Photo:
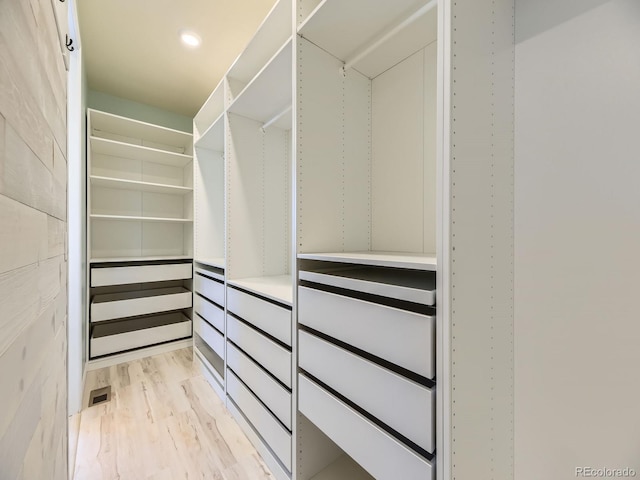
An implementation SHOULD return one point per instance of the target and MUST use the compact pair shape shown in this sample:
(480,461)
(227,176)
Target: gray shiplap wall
(33,269)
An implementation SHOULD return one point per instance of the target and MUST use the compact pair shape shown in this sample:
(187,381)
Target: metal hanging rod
(275,118)
(387,34)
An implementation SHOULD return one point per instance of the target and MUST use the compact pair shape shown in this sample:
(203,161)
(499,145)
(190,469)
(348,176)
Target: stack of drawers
(367,363)
(208,320)
(259,367)
(138,304)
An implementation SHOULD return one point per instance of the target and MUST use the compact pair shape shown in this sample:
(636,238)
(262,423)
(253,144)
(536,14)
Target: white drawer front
(210,335)
(139,338)
(401,337)
(139,306)
(211,289)
(210,312)
(270,392)
(271,356)
(275,435)
(266,316)
(404,405)
(101,277)
(379,453)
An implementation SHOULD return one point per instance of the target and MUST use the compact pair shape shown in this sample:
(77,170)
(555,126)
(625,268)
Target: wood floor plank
(163,422)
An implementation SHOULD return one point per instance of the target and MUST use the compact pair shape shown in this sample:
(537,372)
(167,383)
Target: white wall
(577,233)
(77,233)
(139,111)
(33,264)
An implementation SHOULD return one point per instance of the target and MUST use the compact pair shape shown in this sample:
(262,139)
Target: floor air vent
(99,395)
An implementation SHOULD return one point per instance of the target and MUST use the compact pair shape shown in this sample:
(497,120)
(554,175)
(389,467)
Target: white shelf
(343,467)
(212,108)
(138,219)
(138,152)
(344,28)
(278,288)
(213,137)
(218,262)
(271,34)
(414,286)
(139,259)
(116,337)
(414,261)
(120,184)
(127,127)
(269,93)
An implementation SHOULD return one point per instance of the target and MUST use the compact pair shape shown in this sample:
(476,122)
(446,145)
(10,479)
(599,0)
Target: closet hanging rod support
(387,34)
(277,117)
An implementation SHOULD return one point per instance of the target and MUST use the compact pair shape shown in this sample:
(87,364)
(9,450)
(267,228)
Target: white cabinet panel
(404,405)
(101,277)
(120,336)
(274,320)
(379,453)
(274,434)
(271,393)
(209,288)
(273,357)
(401,337)
(210,312)
(130,304)
(210,335)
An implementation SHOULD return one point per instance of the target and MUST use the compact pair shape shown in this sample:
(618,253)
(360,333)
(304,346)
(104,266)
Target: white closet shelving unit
(346,171)
(140,204)
(243,242)
(209,263)
(366,228)
(259,240)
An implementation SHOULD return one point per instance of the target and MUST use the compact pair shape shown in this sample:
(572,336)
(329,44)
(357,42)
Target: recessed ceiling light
(190,39)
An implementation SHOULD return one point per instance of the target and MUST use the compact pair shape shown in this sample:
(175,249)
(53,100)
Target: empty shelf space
(140,302)
(120,184)
(269,93)
(213,137)
(271,34)
(136,130)
(414,261)
(348,29)
(409,285)
(119,336)
(216,262)
(210,112)
(343,467)
(114,148)
(129,218)
(278,288)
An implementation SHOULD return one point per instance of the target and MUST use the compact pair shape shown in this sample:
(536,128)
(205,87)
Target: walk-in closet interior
(295,238)
(318,239)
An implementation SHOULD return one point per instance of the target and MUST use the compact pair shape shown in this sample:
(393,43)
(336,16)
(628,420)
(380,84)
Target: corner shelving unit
(259,252)
(366,237)
(209,340)
(140,204)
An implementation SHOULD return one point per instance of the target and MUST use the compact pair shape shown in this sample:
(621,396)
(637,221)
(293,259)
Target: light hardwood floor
(164,422)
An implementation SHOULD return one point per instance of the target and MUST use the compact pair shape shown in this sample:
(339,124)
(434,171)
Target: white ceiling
(132,48)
